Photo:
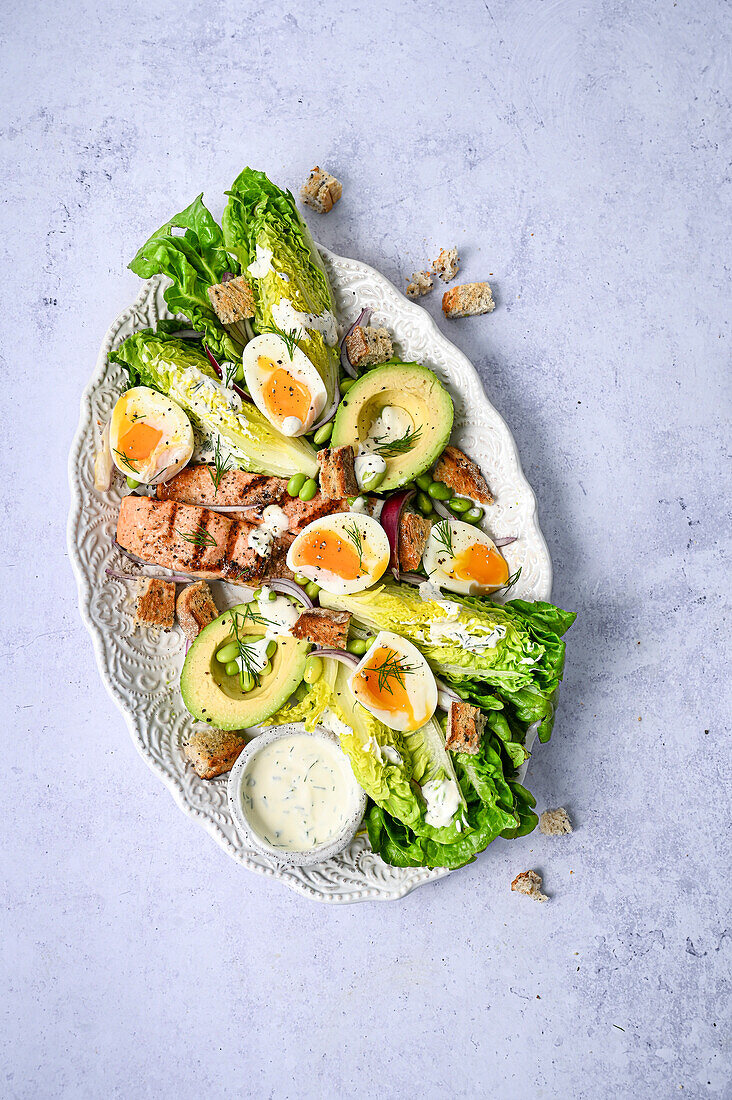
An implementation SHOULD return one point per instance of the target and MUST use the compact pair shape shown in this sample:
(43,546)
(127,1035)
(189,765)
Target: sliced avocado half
(213,697)
(419,393)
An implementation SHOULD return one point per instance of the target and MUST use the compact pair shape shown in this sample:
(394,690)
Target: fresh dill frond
(230,376)
(247,652)
(443,535)
(393,667)
(250,615)
(355,536)
(389,448)
(512,580)
(289,336)
(220,467)
(200,537)
(130,463)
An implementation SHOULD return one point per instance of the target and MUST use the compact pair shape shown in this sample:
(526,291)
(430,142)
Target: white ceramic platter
(141,669)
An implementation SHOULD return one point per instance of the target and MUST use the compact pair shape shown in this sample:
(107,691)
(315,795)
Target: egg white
(173,450)
(438,562)
(374,557)
(419,684)
(273,348)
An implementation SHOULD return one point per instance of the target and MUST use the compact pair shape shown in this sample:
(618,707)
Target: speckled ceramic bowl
(280,855)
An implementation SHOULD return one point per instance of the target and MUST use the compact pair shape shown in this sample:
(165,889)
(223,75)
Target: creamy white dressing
(334,724)
(256,656)
(298,792)
(429,592)
(391,754)
(286,317)
(291,425)
(360,505)
(260,541)
(391,423)
(280,613)
(443,799)
(274,523)
(262,264)
(470,636)
(366,465)
(382,752)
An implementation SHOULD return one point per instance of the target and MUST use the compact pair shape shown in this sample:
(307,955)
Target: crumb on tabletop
(447,264)
(420,283)
(555,822)
(321,191)
(529,883)
(468,300)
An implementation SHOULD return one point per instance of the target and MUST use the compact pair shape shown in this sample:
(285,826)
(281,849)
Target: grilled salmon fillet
(194,485)
(197,541)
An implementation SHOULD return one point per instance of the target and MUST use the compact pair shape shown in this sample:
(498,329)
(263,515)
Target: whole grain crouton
(155,603)
(420,283)
(447,264)
(322,627)
(414,531)
(462,475)
(321,190)
(529,883)
(337,472)
(195,609)
(233,300)
(465,725)
(213,751)
(368,346)
(555,822)
(468,300)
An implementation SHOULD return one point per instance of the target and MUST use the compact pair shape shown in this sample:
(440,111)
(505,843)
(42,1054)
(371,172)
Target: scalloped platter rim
(140,671)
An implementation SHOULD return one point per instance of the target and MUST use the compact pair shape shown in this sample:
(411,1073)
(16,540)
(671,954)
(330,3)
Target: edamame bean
(346,384)
(295,484)
(313,670)
(474,515)
(232,668)
(246,681)
(439,491)
(424,481)
(312,589)
(132,484)
(358,646)
(271,594)
(309,489)
(457,505)
(371,481)
(323,434)
(271,648)
(424,504)
(301,579)
(227,653)
(266,670)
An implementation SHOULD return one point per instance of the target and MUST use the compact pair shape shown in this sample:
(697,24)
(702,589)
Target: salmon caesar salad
(292,496)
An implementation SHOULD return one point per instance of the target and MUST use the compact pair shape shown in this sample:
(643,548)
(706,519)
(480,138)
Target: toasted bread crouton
(468,300)
(213,751)
(462,475)
(368,346)
(233,300)
(321,190)
(155,603)
(555,822)
(195,609)
(414,531)
(447,264)
(420,283)
(328,629)
(529,883)
(337,472)
(465,725)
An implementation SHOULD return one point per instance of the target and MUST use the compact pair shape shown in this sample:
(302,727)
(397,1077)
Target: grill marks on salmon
(195,540)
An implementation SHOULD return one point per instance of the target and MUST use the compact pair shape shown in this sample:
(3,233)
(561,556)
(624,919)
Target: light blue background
(577,154)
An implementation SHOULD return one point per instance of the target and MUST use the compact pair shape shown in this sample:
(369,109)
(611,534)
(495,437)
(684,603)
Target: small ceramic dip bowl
(294,796)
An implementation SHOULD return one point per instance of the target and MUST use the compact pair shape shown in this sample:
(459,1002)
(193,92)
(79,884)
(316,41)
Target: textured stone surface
(575,154)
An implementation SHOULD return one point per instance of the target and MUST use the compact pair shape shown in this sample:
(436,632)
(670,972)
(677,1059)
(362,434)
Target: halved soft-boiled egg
(151,438)
(394,682)
(343,553)
(462,559)
(284,384)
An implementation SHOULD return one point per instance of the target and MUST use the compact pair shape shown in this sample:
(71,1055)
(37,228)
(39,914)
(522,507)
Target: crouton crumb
(232,301)
(529,883)
(369,346)
(321,191)
(421,283)
(155,603)
(468,300)
(447,264)
(337,473)
(555,822)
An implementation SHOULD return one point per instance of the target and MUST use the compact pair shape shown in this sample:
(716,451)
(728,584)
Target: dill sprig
(249,614)
(246,652)
(355,536)
(221,465)
(230,376)
(200,537)
(443,535)
(512,580)
(388,448)
(130,463)
(393,667)
(289,336)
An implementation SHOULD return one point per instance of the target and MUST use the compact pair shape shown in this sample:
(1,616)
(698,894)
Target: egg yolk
(283,394)
(140,441)
(481,564)
(327,550)
(387,690)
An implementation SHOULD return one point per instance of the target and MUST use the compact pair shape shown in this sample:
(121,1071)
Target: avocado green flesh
(410,387)
(212,696)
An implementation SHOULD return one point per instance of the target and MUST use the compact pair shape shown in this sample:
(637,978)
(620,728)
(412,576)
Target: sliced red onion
(291,589)
(505,541)
(342,655)
(214,363)
(363,319)
(180,577)
(445,695)
(411,578)
(442,510)
(225,508)
(389,520)
(176,578)
(227,276)
(330,411)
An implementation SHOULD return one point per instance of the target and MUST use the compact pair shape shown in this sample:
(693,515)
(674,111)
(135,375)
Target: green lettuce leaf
(194,260)
(259,213)
(181,370)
